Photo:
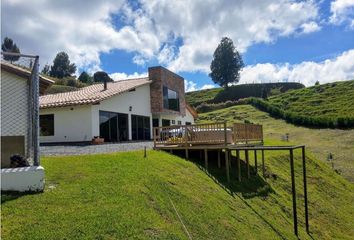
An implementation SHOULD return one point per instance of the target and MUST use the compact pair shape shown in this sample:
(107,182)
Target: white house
(116,111)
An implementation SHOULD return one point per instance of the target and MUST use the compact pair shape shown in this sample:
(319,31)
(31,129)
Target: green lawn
(124,196)
(320,141)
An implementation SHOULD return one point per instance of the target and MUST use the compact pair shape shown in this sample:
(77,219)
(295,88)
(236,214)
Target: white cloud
(310,27)
(330,70)
(123,76)
(207,86)
(201,24)
(85,29)
(190,86)
(342,11)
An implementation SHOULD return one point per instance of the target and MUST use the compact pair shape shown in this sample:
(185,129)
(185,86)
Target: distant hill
(217,95)
(327,100)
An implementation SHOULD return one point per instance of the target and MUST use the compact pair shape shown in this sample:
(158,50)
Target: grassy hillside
(327,100)
(237,92)
(124,196)
(60,89)
(320,141)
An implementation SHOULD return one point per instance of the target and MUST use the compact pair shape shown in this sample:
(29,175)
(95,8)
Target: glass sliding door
(104,126)
(113,126)
(123,127)
(140,127)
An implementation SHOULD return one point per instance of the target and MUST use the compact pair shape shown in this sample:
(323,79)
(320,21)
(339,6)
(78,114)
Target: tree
(46,69)
(101,76)
(226,64)
(264,93)
(85,78)
(317,83)
(9,46)
(61,66)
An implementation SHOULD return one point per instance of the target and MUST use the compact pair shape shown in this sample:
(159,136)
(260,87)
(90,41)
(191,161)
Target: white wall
(71,124)
(82,122)
(188,118)
(22,179)
(14,105)
(139,100)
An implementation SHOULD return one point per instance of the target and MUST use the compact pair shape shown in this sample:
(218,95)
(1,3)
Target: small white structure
(20,88)
(115,111)
(22,179)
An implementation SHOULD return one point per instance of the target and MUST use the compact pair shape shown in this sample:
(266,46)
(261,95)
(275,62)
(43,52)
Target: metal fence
(20,106)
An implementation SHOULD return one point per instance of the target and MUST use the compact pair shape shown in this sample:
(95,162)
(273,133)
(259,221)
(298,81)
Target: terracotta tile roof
(44,82)
(91,94)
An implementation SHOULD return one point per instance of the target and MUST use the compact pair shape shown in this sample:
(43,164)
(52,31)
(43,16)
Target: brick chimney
(160,77)
(104,84)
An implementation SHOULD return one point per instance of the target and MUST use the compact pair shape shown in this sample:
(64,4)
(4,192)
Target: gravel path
(93,149)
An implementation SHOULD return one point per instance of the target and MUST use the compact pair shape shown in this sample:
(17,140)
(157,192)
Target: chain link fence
(19,126)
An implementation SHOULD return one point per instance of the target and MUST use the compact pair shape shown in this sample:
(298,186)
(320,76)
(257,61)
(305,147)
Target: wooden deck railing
(208,133)
(247,133)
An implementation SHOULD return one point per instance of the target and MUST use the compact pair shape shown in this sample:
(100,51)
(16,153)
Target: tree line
(62,69)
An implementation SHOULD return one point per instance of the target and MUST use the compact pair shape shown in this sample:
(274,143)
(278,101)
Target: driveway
(58,150)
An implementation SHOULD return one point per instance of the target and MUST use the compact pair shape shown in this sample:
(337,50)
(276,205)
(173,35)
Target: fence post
(35,82)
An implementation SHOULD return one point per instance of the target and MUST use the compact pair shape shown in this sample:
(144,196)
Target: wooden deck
(224,140)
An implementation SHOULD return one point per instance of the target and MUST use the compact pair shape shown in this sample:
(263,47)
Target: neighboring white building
(15,110)
(20,89)
(118,111)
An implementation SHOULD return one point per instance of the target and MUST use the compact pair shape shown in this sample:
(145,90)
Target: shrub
(18,161)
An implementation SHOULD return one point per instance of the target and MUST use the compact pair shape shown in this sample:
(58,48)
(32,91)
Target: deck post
(255,161)
(293,190)
(154,133)
(248,164)
(219,159)
(225,133)
(187,155)
(238,165)
(206,158)
(305,188)
(227,165)
(230,159)
(263,166)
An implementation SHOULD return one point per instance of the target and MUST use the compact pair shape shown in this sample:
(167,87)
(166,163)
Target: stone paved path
(93,149)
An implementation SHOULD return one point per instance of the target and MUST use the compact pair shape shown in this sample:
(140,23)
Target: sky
(279,40)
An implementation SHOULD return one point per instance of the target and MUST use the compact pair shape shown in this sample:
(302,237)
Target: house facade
(116,111)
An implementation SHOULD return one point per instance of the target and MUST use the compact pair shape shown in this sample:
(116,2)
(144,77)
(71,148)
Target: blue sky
(280,40)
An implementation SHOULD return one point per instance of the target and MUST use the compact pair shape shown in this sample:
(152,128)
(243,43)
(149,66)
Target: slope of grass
(234,93)
(331,100)
(320,141)
(124,196)
(60,89)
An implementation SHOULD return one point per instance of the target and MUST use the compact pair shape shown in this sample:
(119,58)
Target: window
(113,126)
(173,121)
(140,127)
(166,122)
(170,99)
(188,123)
(46,125)
(179,122)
